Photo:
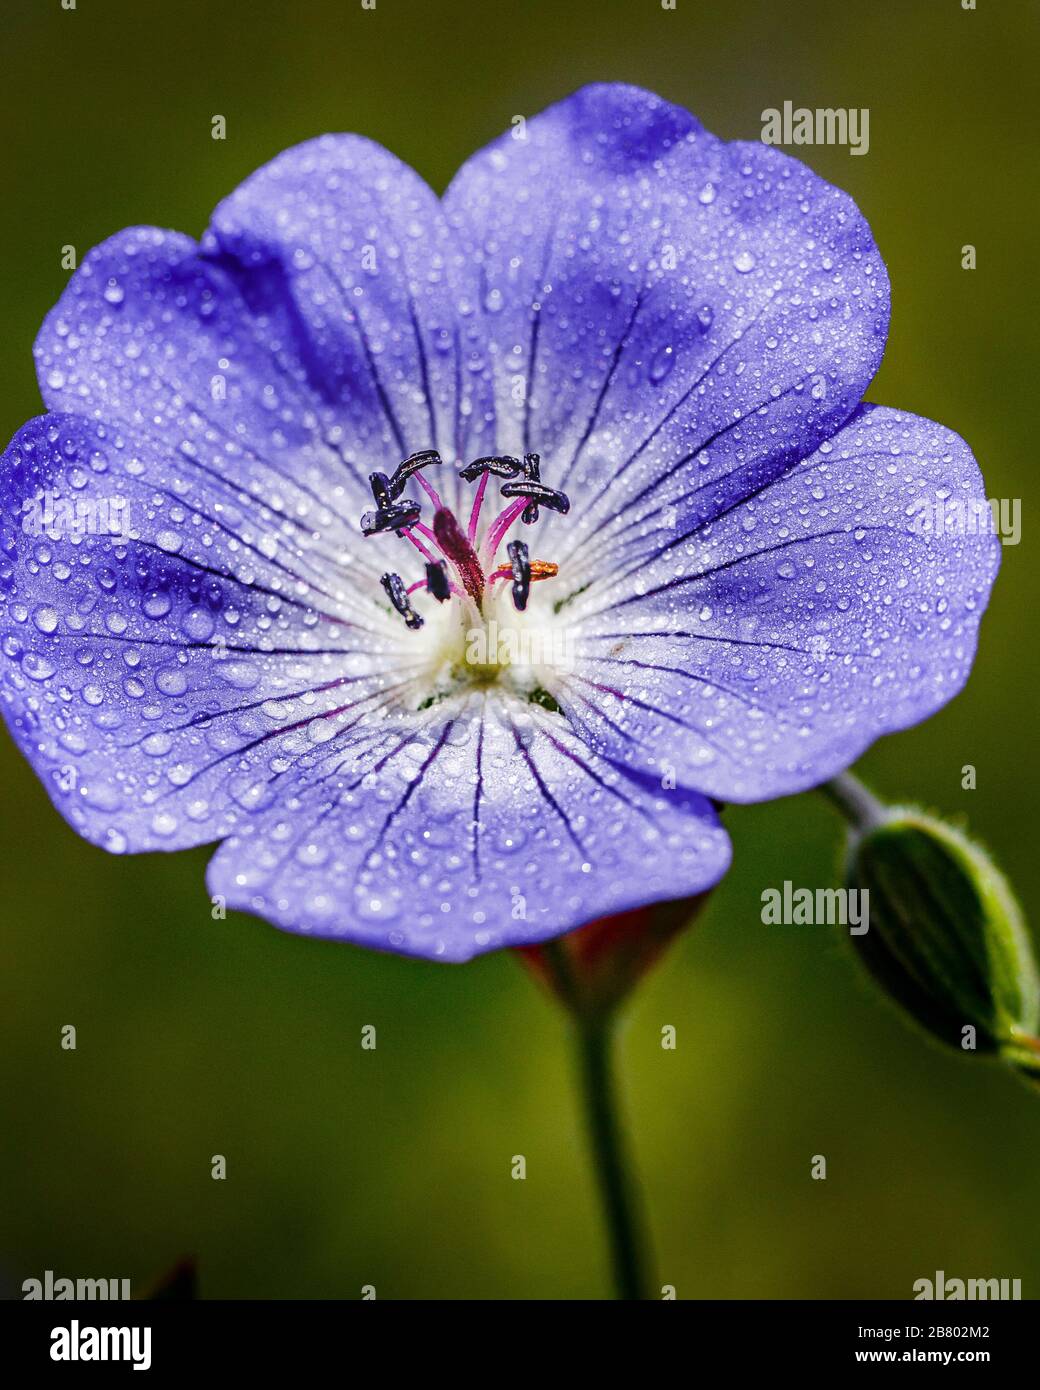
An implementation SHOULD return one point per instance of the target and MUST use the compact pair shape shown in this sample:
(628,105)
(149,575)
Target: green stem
(594,1033)
(860,807)
(620,1205)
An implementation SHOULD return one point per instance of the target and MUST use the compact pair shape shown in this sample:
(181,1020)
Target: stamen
(389,515)
(395,592)
(437,580)
(532,470)
(474,516)
(540,494)
(501,465)
(453,541)
(425,458)
(540,569)
(521,563)
(425,531)
(500,526)
(431,492)
(398,516)
(408,535)
(524,493)
(380,485)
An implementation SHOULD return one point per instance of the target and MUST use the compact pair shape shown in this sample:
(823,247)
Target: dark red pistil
(453,541)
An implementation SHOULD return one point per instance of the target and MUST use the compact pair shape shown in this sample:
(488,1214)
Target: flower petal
(359,246)
(662,310)
(167,650)
(762,652)
(475,830)
(308,341)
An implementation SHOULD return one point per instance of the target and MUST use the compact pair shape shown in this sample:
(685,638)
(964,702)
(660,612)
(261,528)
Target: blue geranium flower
(448,560)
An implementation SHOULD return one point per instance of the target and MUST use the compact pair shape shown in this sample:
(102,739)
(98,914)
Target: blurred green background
(197,1037)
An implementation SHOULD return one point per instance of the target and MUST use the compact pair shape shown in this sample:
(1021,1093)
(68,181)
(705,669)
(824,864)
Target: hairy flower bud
(946,939)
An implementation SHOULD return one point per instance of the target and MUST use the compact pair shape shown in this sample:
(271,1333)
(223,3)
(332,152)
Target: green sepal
(946,937)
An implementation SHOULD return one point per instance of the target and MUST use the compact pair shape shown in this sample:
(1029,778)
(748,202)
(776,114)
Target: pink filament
(501,525)
(453,588)
(474,515)
(418,544)
(430,491)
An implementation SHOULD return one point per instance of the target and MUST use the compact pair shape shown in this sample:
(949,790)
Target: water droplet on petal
(661,364)
(45,619)
(157,605)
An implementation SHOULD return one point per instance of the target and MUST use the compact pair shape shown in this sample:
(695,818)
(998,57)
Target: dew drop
(37,668)
(157,605)
(661,364)
(171,683)
(45,619)
(198,625)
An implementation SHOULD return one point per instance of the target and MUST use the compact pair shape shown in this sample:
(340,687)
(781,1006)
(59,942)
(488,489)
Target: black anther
(425,458)
(395,592)
(538,493)
(532,468)
(501,465)
(395,517)
(380,489)
(521,564)
(437,580)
